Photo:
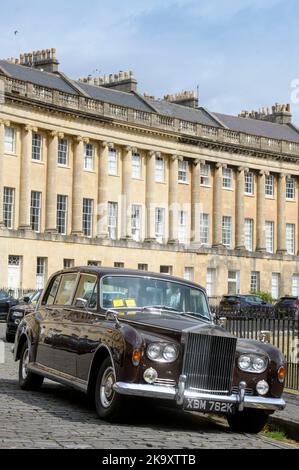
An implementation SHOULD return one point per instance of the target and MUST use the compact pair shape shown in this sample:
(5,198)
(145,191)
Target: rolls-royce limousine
(116,334)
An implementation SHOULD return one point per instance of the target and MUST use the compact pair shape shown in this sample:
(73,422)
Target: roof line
(214,117)
(5,72)
(144,100)
(73,85)
(293,126)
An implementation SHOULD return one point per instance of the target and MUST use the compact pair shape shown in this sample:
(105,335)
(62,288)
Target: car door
(55,346)
(85,322)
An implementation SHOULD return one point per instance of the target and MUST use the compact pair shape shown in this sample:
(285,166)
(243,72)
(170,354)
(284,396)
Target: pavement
(59,418)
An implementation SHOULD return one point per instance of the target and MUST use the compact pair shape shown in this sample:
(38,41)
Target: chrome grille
(165,382)
(248,391)
(209,363)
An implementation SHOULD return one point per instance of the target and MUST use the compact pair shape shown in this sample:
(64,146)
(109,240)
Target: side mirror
(222,322)
(265,336)
(81,303)
(26,300)
(112,315)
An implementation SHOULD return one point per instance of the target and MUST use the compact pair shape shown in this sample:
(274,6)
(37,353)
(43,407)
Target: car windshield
(35,296)
(145,293)
(3,295)
(253,298)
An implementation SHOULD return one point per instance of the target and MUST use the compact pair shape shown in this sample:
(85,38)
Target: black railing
(281,331)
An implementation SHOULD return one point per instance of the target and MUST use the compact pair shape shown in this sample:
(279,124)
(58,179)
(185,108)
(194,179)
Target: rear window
(289,301)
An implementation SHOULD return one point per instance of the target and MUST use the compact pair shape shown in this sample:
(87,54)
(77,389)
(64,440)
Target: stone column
(260,212)
(239,217)
(217,205)
(25,179)
(126,231)
(195,202)
(281,214)
(2,135)
(77,202)
(102,209)
(51,194)
(150,196)
(173,199)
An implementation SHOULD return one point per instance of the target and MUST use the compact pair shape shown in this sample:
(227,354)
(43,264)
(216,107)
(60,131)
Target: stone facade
(185,169)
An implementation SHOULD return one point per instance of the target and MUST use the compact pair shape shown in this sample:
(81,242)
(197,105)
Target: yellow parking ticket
(130,302)
(118,303)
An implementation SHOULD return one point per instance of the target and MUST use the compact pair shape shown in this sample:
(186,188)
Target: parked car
(6,301)
(27,305)
(157,341)
(239,302)
(287,306)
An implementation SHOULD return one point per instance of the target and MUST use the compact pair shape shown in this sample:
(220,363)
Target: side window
(66,289)
(87,289)
(52,291)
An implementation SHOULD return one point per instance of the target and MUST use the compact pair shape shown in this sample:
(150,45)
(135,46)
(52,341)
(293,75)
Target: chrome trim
(158,391)
(242,388)
(181,390)
(60,377)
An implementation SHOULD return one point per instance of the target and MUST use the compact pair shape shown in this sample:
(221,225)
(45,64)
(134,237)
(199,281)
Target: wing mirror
(112,315)
(81,303)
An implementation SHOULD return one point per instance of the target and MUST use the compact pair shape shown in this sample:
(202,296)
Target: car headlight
(162,352)
(252,363)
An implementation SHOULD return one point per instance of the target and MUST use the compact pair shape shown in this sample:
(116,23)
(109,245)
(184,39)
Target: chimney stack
(42,60)
(279,114)
(185,98)
(122,81)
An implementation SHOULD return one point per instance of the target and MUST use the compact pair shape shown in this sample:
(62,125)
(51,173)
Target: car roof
(104,271)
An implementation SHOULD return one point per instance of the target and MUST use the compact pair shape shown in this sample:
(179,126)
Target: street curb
(290,428)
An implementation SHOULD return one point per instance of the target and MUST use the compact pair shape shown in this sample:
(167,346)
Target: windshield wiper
(161,307)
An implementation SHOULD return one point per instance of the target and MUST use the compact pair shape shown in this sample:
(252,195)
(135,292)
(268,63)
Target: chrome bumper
(180,394)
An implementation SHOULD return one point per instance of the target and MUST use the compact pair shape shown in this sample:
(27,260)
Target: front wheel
(28,380)
(249,421)
(108,402)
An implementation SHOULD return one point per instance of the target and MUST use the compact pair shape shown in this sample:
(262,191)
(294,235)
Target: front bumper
(180,394)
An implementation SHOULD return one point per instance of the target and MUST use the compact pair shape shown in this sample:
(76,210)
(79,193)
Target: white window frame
(63,152)
(160,224)
(62,213)
(255,281)
(248,234)
(41,272)
(8,207)
(112,162)
(227,231)
(159,169)
(233,278)
(35,211)
(183,167)
(9,140)
(269,186)
(136,222)
(189,273)
(205,175)
(275,285)
(249,183)
(182,227)
(112,220)
(295,285)
(290,238)
(227,178)
(37,147)
(290,189)
(211,282)
(204,229)
(87,217)
(269,236)
(88,157)
(136,165)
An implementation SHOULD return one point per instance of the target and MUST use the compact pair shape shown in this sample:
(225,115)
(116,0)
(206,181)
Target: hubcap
(106,387)
(25,363)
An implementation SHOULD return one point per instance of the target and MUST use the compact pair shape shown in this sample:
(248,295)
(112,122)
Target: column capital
(129,148)
(221,165)
(283,175)
(29,128)
(263,173)
(198,161)
(105,145)
(178,158)
(242,169)
(154,153)
(53,134)
(78,139)
(86,140)
(5,122)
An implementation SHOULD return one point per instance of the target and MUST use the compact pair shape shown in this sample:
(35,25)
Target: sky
(242,54)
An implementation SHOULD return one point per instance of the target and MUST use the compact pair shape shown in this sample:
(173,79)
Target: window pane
(249,183)
(66,289)
(136,165)
(160,170)
(227,231)
(62,152)
(61,214)
(36,147)
(204,229)
(35,210)
(112,162)
(9,140)
(88,157)
(8,207)
(87,217)
(205,171)
(227,178)
(86,290)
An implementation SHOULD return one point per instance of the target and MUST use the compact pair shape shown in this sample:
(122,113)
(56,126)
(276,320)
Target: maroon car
(115,334)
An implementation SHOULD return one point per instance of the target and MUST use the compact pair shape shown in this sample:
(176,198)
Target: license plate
(209,406)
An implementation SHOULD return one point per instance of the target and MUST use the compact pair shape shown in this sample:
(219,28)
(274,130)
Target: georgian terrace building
(92,172)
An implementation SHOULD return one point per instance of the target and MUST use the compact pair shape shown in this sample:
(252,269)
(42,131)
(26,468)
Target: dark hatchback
(242,302)
(117,334)
(287,306)
(16,314)
(6,302)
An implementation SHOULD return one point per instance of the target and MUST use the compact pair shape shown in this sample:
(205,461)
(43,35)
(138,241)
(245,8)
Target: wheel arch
(100,355)
(22,340)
